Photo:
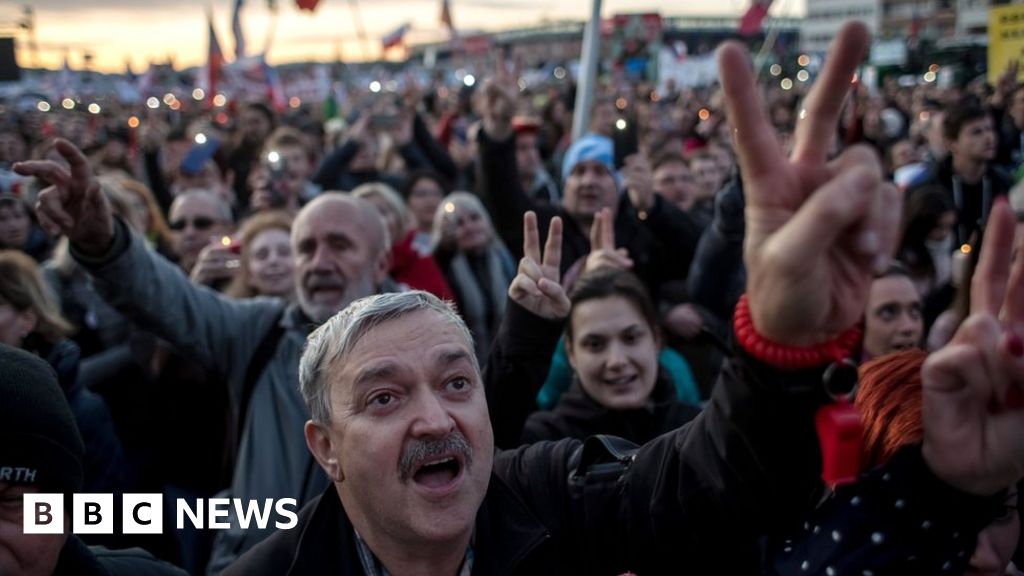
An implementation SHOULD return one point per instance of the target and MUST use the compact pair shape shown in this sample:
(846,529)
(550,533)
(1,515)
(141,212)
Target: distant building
(940,22)
(562,41)
(824,17)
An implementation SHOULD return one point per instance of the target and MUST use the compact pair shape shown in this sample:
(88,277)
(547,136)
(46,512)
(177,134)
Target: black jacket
(747,465)
(516,370)
(579,416)
(424,151)
(105,465)
(696,500)
(77,559)
(661,245)
(974,206)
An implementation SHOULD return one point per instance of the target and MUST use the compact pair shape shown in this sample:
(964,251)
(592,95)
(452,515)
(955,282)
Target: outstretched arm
(220,333)
(816,232)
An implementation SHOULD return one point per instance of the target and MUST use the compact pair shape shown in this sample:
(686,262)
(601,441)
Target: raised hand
(360,131)
(816,230)
(602,245)
(1006,84)
(496,102)
(402,133)
(973,388)
(72,204)
(639,182)
(216,262)
(536,287)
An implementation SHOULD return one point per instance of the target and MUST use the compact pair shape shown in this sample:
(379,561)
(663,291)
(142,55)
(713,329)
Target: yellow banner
(1005,40)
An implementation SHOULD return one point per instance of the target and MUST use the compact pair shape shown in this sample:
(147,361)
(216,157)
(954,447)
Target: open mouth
(440,474)
(324,291)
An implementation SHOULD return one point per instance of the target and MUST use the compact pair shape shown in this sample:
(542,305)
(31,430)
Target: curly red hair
(889,399)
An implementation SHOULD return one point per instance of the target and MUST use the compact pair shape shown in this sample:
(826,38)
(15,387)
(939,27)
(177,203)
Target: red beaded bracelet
(790,357)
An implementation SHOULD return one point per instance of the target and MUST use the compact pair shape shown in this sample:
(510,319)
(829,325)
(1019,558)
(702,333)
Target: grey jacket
(223,335)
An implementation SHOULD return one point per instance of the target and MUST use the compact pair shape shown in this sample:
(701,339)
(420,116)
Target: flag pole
(769,42)
(271,29)
(588,72)
(360,30)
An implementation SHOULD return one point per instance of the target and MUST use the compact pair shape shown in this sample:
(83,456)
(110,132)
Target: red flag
(750,23)
(214,61)
(307,4)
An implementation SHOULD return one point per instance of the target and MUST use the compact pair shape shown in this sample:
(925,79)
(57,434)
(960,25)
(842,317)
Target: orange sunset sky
(136,31)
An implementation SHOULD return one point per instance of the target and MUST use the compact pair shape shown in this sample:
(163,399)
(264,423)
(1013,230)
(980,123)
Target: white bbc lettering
(293,518)
(144,513)
(196,516)
(262,514)
(215,513)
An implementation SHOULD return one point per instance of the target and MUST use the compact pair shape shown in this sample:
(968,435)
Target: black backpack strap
(260,359)
(599,469)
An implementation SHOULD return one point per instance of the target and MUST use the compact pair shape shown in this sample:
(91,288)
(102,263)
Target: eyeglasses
(200,223)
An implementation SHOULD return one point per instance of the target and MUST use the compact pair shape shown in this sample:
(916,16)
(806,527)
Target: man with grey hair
(340,248)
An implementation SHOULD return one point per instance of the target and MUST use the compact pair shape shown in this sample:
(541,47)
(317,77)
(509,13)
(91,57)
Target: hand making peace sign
(973,388)
(602,245)
(536,287)
(816,230)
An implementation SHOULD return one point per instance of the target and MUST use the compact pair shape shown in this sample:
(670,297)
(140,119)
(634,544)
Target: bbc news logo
(144,513)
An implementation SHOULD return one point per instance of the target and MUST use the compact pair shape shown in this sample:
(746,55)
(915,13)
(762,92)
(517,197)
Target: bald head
(340,245)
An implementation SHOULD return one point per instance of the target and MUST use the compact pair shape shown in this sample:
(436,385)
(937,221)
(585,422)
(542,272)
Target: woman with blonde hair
(31,320)
(477,265)
(265,267)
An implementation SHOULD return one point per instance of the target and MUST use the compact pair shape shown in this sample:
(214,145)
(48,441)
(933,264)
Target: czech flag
(394,38)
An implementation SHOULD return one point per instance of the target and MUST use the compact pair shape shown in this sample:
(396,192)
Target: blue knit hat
(589,148)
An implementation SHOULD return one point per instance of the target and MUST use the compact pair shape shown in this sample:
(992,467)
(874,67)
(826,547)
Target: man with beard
(340,248)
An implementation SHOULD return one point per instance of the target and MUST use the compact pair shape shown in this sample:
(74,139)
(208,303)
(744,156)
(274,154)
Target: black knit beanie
(39,441)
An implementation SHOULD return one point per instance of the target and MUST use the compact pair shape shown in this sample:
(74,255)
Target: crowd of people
(466,343)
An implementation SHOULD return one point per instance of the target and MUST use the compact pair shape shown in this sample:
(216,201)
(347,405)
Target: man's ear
(319,442)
